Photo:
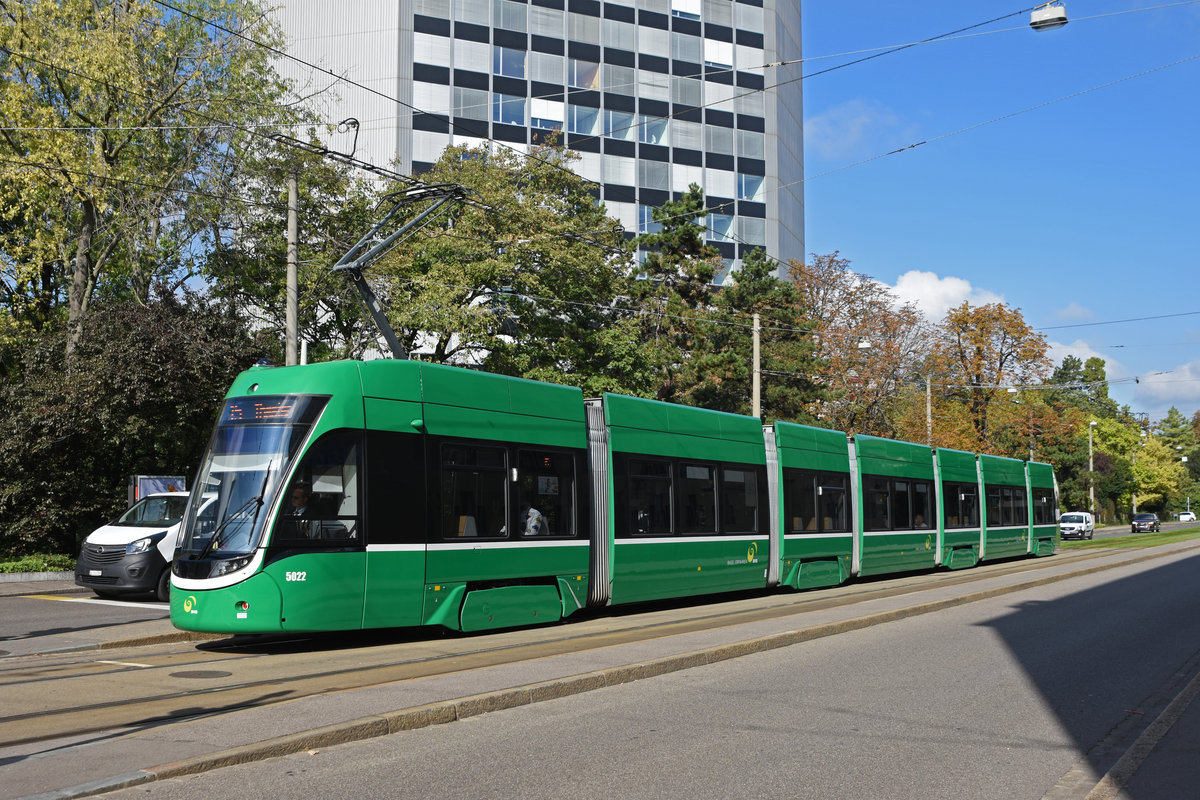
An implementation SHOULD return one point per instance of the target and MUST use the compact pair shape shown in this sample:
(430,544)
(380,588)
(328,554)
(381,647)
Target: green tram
(390,493)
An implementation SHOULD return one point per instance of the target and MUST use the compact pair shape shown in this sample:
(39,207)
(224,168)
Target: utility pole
(755,385)
(1091,471)
(293,256)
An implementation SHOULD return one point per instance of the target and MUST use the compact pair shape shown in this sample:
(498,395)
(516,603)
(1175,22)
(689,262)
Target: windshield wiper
(215,540)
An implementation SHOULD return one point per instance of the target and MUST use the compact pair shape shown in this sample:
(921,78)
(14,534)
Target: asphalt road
(1025,679)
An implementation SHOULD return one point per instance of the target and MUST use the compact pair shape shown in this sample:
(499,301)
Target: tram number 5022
(297,576)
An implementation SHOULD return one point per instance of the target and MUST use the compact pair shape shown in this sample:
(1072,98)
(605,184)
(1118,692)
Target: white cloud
(1074,312)
(934,295)
(1113,370)
(854,129)
(1179,387)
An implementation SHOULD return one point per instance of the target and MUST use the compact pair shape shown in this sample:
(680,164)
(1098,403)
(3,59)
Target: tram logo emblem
(751,552)
(189,604)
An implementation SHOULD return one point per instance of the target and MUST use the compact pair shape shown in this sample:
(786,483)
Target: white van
(133,553)
(1077,525)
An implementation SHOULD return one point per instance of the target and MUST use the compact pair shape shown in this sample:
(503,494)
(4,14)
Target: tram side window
(474,491)
(831,501)
(546,483)
(922,504)
(962,505)
(1020,506)
(328,477)
(815,501)
(901,506)
(1043,507)
(800,500)
(739,500)
(697,498)
(877,504)
(647,498)
(994,519)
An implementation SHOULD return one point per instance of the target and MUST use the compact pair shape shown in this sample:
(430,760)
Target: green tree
(131,120)
(527,277)
(247,270)
(717,372)
(139,395)
(674,292)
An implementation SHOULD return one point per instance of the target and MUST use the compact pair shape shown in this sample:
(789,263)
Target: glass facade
(655,94)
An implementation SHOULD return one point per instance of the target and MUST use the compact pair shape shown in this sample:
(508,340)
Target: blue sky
(1081,212)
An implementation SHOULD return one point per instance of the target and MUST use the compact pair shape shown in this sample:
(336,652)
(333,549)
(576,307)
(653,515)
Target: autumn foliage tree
(979,353)
(869,344)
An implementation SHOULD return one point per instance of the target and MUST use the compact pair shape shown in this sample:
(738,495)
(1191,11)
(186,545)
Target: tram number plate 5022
(297,576)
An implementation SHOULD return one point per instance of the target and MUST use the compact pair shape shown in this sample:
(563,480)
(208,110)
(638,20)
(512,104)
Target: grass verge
(1133,540)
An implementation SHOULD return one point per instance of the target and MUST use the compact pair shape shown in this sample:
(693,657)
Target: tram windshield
(254,442)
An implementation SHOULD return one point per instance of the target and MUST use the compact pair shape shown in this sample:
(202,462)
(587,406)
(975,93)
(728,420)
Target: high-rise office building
(654,95)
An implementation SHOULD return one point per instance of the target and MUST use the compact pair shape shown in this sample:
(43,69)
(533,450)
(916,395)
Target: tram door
(320,561)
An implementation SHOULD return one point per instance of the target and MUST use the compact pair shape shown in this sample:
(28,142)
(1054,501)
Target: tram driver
(301,526)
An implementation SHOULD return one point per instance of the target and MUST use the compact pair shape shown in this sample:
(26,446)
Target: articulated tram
(352,495)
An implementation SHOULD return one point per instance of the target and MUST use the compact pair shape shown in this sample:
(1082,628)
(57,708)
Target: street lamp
(1048,17)
(1091,471)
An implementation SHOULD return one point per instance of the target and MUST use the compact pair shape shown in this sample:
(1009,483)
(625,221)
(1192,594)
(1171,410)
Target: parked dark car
(1144,522)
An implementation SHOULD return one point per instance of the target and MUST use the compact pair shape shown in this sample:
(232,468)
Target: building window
(749,187)
(508,109)
(471,11)
(546,68)
(509,15)
(718,139)
(652,130)
(685,48)
(620,35)
(433,8)
(718,12)
(748,18)
(718,54)
(750,103)
(653,175)
(750,144)
(582,28)
(508,62)
(471,56)
(545,113)
(620,125)
(546,22)
(622,171)
(720,227)
(471,103)
(654,85)
(753,231)
(430,49)
(583,74)
(688,135)
(646,223)
(687,9)
(618,80)
(583,119)
(685,91)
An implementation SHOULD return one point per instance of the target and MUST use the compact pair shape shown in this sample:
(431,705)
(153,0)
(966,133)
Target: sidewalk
(112,760)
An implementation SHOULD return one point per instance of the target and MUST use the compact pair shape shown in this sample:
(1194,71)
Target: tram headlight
(145,543)
(232,565)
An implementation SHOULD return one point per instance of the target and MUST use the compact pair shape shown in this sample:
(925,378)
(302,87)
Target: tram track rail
(135,688)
